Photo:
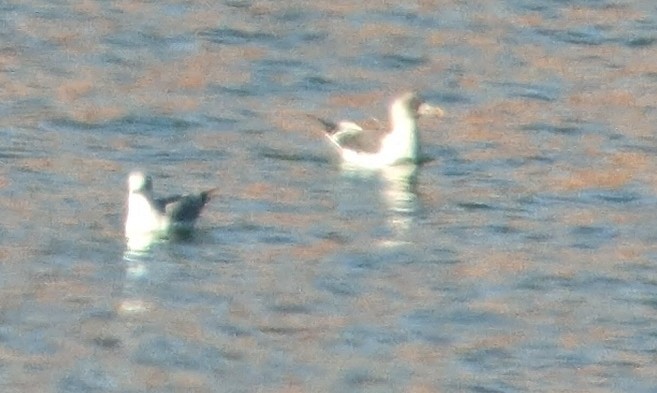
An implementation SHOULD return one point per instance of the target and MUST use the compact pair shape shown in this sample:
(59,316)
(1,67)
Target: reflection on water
(136,262)
(400,189)
(396,187)
(399,194)
(136,258)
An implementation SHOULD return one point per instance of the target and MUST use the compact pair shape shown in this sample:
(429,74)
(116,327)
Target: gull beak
(430,110)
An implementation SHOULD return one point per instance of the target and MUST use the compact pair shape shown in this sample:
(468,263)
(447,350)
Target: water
(519,258)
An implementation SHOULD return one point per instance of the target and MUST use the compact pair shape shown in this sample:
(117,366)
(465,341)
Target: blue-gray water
(519,258)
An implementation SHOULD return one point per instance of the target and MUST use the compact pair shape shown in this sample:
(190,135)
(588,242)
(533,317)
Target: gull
(148,216)
(378,148)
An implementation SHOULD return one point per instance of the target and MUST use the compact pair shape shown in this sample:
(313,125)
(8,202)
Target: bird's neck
(141,215)
(137,201)
(404,137)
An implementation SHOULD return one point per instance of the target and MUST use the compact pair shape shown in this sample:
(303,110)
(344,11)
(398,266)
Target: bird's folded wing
(353,137)
(181,207)
(188,207)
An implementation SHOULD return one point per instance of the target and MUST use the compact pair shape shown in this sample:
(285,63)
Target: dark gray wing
(181,208)
(161,203)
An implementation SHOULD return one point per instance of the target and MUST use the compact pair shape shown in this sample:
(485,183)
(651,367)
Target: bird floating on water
(381,148)
(148,216)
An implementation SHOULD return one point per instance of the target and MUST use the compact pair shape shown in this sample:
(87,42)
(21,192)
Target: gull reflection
(136,272)
(397,189)
(400,196)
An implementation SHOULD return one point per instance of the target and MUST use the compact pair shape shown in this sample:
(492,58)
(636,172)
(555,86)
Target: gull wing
(351,136)
(184,208)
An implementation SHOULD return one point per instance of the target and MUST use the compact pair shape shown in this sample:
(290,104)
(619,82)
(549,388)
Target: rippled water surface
(519,258)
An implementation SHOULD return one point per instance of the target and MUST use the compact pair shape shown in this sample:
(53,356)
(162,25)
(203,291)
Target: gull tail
(208,195)
(329,127)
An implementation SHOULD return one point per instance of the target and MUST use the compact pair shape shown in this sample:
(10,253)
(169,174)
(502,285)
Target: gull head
(412,105)
(406,105)
(139,182)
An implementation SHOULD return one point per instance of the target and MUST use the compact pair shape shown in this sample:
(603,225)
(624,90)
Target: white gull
(148,216)
(375,149)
